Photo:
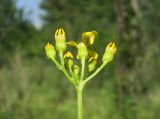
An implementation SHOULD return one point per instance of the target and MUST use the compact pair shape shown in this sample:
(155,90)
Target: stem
(70,78)
(64,70)
(79,101)
(61,58)
(73,75)
(95,73)
(83,68)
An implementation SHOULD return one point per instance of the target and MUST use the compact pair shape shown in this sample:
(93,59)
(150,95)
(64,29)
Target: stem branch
(95,73)
(64,70)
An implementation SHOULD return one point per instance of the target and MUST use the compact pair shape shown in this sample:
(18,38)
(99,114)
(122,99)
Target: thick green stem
(79,101)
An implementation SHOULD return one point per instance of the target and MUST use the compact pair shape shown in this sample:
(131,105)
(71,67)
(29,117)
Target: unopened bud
(109,52)
(76,69)
(70,62)
(92,66)
(60,40)
(50,51)
(82,51)
(69,58)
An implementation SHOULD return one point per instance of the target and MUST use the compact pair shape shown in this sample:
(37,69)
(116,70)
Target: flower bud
(50,51)
(109,52)
(76,69)
(92,66)
(69,58)
(82,51)
(60,40)
(70,62)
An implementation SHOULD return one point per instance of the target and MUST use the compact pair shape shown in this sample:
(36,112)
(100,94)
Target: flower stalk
(78,75)
(80,100)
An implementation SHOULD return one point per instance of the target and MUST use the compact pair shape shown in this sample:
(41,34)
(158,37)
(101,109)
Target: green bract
(82,51)
(61,45)
(107,57)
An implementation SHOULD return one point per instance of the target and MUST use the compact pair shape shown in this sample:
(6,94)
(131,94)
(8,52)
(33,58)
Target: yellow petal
(60,34)
(72,43)
(92,65)
(111,47)
(68,55)
(92,55)
(80,45)
(61,31)
(89,36)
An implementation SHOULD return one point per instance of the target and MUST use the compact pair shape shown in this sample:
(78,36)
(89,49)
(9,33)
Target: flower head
(109,52)
(69,58)
(60,40)
(111,47)
(92,66)
(82,51)
(50,51)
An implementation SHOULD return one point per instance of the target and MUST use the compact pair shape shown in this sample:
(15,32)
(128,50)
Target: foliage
(15,31)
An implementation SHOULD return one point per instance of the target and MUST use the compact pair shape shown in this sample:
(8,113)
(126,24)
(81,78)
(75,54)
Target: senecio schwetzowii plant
(78,75)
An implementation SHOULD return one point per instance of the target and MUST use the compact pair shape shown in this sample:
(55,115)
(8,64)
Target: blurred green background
(31,87)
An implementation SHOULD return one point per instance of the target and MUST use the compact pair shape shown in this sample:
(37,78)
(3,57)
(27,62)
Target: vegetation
(128,88)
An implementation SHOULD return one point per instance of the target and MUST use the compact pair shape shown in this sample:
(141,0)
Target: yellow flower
(50,51)
(60,34)
(111,47)
(82,47)
(109,52)
(89,35)
(60,40)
